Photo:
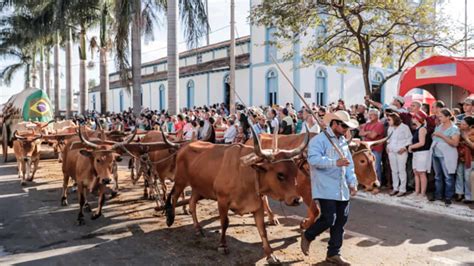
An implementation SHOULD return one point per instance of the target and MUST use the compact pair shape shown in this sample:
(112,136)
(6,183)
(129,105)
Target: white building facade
(204,78)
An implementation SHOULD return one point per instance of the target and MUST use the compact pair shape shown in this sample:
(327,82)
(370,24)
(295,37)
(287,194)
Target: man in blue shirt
(333,182)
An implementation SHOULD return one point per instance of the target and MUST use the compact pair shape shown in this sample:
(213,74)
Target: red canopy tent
(447,78)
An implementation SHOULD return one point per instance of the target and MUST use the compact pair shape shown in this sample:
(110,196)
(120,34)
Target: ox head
(27,143)
(276,170)
(102,155)
(364,162)
(140,150)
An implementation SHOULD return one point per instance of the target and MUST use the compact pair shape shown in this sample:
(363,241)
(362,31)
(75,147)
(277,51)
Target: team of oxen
(239,177)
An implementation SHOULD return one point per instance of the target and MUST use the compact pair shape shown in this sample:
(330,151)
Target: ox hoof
(113,194)
(223,250)
(95,215)
(23,183)
(80,221)
(273,221)
(199,233)
(185,212)
(64,202)
(87,207)
(272,259)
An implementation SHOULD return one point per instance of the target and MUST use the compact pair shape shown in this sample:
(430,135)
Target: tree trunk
(232,59)
(47,80)
(104,80)
(41,68)
(27,76)
(57,93)
(136,57)
(69,75)
(365,75)
(173,58)
(83,90)
(104,67)
(34,74)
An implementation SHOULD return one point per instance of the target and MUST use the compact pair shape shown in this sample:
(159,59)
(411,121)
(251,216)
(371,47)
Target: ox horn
(127,141)
(165,139)
(38,137)
(85,141)
(18,136)
(257,145)
(295,152)
(376,142)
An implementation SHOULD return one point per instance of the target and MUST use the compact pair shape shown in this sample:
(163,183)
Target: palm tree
(194,17)
(17,42)
(142,21)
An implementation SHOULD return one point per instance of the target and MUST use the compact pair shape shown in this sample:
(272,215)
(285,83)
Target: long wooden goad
(338,150)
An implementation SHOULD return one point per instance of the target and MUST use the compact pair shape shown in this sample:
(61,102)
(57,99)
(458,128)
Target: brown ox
(236,176)
(156,165)
(26,146)
(91,164)
(63,130)
(364,167)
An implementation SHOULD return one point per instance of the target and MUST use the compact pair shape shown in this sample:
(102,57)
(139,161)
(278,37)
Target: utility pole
(207,14)
(232,58)
(465,28)
(173,57)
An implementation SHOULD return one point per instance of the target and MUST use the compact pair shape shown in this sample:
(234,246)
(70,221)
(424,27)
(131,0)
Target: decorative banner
(37,107)
(436,71)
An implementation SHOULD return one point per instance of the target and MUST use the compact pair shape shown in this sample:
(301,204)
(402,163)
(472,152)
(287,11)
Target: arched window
(162,97)
(190,94)
(378,77)
(270,47)
(272,87)
(121,100)
(377,91)
(93,102)
(321,87)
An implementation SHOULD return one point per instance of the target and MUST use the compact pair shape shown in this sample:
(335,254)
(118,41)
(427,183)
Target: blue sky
(219,11)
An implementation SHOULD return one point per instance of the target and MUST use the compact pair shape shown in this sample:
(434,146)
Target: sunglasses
(340,123)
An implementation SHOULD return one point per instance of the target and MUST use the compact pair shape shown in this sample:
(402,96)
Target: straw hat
(342,116)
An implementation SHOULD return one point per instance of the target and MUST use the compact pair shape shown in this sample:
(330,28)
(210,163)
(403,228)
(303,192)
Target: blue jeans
(444,182)
(334,215)
(463,181)
(378,165)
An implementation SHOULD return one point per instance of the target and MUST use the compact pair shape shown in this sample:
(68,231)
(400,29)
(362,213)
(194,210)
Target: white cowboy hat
(342,116)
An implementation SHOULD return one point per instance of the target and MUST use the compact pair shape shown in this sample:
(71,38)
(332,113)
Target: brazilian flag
(37,107)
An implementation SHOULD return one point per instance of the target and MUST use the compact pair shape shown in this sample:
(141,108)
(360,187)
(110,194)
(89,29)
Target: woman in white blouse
(397,153)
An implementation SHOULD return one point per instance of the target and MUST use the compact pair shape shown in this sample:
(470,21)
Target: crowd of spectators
(428,145)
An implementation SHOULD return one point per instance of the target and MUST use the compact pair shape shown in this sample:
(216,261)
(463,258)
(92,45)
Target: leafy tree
(363,33)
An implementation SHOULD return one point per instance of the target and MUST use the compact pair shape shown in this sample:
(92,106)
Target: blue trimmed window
(190,94)
(321,87)
(272,87)
(93,102)
(121,101)
(162,97)
(270,47)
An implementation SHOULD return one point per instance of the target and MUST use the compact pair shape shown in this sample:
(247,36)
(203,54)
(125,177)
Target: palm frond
(123,15)
(194,20)
(8,72)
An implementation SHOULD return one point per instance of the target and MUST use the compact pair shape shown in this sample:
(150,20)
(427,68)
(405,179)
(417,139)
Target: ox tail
(169,209)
